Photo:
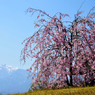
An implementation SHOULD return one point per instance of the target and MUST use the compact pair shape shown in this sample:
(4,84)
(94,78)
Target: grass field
(67,91)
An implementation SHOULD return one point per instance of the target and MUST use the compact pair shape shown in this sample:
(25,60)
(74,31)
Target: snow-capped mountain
(7,68)
(13,80)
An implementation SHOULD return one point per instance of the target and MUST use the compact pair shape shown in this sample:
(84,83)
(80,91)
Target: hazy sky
(15,25)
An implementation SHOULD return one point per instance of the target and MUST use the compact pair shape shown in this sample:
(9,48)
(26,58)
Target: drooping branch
(61,51)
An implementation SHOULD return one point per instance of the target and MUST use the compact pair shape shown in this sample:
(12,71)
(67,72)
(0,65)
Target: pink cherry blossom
(64,56)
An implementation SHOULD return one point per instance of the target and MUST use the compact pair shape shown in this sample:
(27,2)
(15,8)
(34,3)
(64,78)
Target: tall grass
(65,91)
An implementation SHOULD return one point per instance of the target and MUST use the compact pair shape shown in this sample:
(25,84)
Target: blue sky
(15,25)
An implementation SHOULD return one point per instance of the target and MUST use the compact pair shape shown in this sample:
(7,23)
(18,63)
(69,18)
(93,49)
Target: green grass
(67,91)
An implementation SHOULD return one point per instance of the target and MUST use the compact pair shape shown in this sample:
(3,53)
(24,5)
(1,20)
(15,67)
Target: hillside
(67,91)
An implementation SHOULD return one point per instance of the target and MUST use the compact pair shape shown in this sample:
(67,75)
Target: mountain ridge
(13,80)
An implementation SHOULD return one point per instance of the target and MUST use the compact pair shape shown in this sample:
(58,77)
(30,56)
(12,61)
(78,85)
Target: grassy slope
(67,91)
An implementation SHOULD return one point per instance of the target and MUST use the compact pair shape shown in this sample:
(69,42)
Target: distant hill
(13,80)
